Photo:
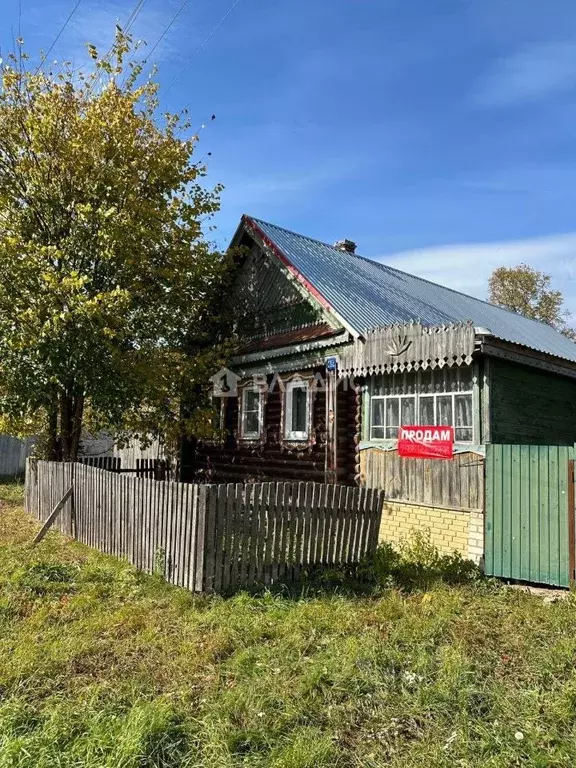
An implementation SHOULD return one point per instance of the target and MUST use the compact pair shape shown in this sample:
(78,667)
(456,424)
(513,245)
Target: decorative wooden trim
(486,403)
(359,405)
(408,347)
(263,390)
(296,444)
(305,346)
(309,291)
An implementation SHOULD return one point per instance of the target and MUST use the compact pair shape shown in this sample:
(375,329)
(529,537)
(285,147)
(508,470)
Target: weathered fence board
(13,454)
(208,537)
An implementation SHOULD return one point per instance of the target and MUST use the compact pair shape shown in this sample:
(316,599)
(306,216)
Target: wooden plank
(571,523)
(263,532)
(255,503)
(220,529)
(339,522)
(366,523)
(245,534)
(53,515)
(298,510)
(236,523)
(309,495)
(211,518)
(171,529)
(320,525)
(187,551)
(515,511)
(227,513)
(332,509)
(523,490)
(188,548)
(278,503)
(544,539)
(375,519)
(292,531)
(199,536)
(556,514)
(285,533)
(355,525)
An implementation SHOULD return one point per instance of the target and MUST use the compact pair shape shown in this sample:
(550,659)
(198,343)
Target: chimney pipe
(349,246)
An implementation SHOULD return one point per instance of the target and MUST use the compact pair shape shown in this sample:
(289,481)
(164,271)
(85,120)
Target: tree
(528,292)
(106,278)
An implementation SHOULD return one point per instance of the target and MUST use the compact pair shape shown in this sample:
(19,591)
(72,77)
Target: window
(442,397)
(296,411)
(252,419)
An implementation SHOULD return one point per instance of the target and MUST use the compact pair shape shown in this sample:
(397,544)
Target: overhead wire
(167,29)
(202,46)
(58,36)
(127,27)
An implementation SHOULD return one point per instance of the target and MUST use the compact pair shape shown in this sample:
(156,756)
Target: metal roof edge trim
(297,275)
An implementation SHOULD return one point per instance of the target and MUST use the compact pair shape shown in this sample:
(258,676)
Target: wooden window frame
(242,412)
(288,434)
(418,396)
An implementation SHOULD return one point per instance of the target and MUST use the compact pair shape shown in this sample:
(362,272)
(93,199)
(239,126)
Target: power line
(202,46)
(130,21)
(72,12)
(163,35)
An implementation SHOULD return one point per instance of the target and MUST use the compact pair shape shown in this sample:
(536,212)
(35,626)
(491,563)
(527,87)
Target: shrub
(417,564)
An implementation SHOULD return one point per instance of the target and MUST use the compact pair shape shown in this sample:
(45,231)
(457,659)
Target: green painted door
(528,526)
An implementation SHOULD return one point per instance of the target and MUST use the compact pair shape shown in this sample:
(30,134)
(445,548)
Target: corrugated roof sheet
(366,294)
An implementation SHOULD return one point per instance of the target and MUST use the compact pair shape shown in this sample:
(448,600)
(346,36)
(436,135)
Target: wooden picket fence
(209,538)
(155,469)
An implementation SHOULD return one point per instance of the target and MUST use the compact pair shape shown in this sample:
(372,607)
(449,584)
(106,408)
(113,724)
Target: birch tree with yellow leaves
(107,280)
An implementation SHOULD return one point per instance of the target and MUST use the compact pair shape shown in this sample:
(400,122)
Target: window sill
(245,440)
(392,445)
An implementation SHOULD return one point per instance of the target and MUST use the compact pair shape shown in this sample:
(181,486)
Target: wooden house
(342,351)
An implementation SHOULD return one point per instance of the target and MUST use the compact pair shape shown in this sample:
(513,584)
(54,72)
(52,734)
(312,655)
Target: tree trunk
(66,424)
(76,433)
(53,453)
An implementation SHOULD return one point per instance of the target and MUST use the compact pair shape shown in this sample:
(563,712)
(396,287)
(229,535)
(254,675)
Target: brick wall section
(450,529)
(476,536)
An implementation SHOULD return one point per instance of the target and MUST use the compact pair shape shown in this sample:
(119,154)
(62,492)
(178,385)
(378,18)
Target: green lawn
(102,667)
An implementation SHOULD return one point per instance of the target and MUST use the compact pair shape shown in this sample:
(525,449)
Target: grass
(101,667)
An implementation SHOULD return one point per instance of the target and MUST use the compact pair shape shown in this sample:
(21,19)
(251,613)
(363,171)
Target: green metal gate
(529,528)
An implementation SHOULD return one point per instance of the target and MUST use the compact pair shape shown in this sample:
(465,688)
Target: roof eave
(493,346)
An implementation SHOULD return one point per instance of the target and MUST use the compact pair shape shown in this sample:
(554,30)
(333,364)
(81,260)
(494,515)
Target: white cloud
(467,267)
(528,75)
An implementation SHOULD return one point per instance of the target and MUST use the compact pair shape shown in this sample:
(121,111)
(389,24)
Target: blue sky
(440,135)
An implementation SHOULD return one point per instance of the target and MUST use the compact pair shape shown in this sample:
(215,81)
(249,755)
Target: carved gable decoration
(409,347)
(265,301)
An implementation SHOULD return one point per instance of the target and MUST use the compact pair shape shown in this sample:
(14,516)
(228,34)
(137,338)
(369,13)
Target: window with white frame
(441,397)
(252,413)
(296,410)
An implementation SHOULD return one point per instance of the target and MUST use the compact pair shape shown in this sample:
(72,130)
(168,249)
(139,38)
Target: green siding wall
(530,406)
(527,524)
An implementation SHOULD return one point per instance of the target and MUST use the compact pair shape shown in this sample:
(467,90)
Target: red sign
(426,442)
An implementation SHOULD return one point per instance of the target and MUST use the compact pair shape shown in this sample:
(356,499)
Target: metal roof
(367,294)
